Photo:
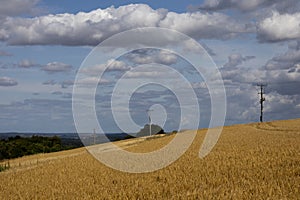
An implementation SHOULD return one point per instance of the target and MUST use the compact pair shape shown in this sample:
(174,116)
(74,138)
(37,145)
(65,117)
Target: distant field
(253,161)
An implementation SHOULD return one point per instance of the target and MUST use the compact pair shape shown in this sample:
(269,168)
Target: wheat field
(252,161)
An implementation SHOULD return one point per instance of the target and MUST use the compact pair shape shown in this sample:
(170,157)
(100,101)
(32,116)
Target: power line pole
(148,112)
(262,99)
(94,136)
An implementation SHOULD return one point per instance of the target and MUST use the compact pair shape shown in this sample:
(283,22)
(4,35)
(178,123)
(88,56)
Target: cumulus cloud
(282,72)
(284,82)
(26,64)
(279,27)
(286,105)
(116,65)
(54,67)
(95,26)
(110,66)
(237,59)
(281,81)
(7,81)
(236,76)
(146,56)
(17,7)
(204,25)
(287,60)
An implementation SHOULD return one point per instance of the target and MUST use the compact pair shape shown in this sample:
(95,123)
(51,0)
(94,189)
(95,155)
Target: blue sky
(78,6)
(43,43)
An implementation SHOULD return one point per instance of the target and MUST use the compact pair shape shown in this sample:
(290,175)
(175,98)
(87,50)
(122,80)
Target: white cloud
(95,26)
(284,104)
(279,27)
(147,56)
(109,66)
(90,81)
(115,65)
(152,72)
(26,64)
(203,25)
(7,81)
(56,67)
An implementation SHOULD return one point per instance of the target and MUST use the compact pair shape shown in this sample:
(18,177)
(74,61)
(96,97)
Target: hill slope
(253,161)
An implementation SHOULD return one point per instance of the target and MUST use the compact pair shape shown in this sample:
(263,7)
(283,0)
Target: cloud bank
(90,28)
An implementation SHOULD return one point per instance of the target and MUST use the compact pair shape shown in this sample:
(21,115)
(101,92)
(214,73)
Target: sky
(46,44)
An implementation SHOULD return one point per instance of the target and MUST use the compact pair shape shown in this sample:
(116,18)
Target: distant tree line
(17,146)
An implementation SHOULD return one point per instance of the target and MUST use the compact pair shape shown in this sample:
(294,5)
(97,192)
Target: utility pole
(262,99)
(94,136)
(149,117)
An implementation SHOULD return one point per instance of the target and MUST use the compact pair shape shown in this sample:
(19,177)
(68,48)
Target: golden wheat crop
(254,161)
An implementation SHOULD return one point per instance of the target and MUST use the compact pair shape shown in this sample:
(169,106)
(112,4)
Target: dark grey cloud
(281,72)
(284,81)
(282,100)
(278,106)
(64,95)
(246,5)
(7,82)
(208,49)
(67,95)
(288,60)
(237,59)
(50,82)
(67,83)
(93,27)
(57,93)
(18,7)
(63,84)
